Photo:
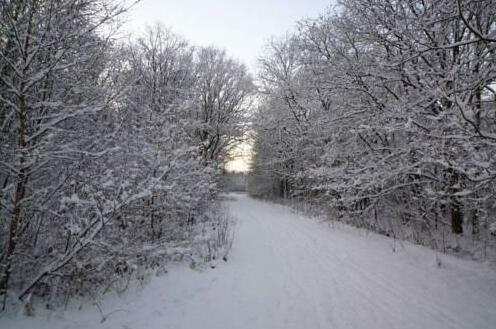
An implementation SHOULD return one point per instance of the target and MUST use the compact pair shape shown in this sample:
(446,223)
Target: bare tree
(223,90)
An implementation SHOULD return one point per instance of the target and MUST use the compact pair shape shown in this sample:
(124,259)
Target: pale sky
(240,27)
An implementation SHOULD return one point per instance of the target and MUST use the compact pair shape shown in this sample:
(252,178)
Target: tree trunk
(455,207)
(475,224)
(16,219)
(456,217)
(21,170)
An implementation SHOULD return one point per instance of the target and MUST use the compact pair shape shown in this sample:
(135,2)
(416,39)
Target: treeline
(384,113)
(110,152)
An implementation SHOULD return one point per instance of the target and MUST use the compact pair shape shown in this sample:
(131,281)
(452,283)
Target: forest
(379,114)
(382,114)
(110,151)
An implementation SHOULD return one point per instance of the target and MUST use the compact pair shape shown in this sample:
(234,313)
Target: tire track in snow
(291,270)
(354,282)
(357,277)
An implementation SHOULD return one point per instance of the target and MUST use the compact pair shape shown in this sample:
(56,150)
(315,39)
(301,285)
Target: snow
(289,271)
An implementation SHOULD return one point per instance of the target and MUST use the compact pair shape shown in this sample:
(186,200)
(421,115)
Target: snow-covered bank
(288,271)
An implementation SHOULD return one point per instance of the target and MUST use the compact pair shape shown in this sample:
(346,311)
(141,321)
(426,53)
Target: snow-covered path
(288,271)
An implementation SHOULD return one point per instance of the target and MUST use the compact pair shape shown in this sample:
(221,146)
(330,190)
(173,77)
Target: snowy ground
(287,271)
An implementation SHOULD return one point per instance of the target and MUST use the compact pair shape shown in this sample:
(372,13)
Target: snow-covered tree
(392,110)
(53,85)
(223,91)
(101,171)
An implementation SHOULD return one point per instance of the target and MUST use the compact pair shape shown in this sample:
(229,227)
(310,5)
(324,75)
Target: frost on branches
(104,171)
(385,113)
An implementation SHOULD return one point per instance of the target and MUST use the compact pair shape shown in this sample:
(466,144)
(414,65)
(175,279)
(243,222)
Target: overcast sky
(240,27)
